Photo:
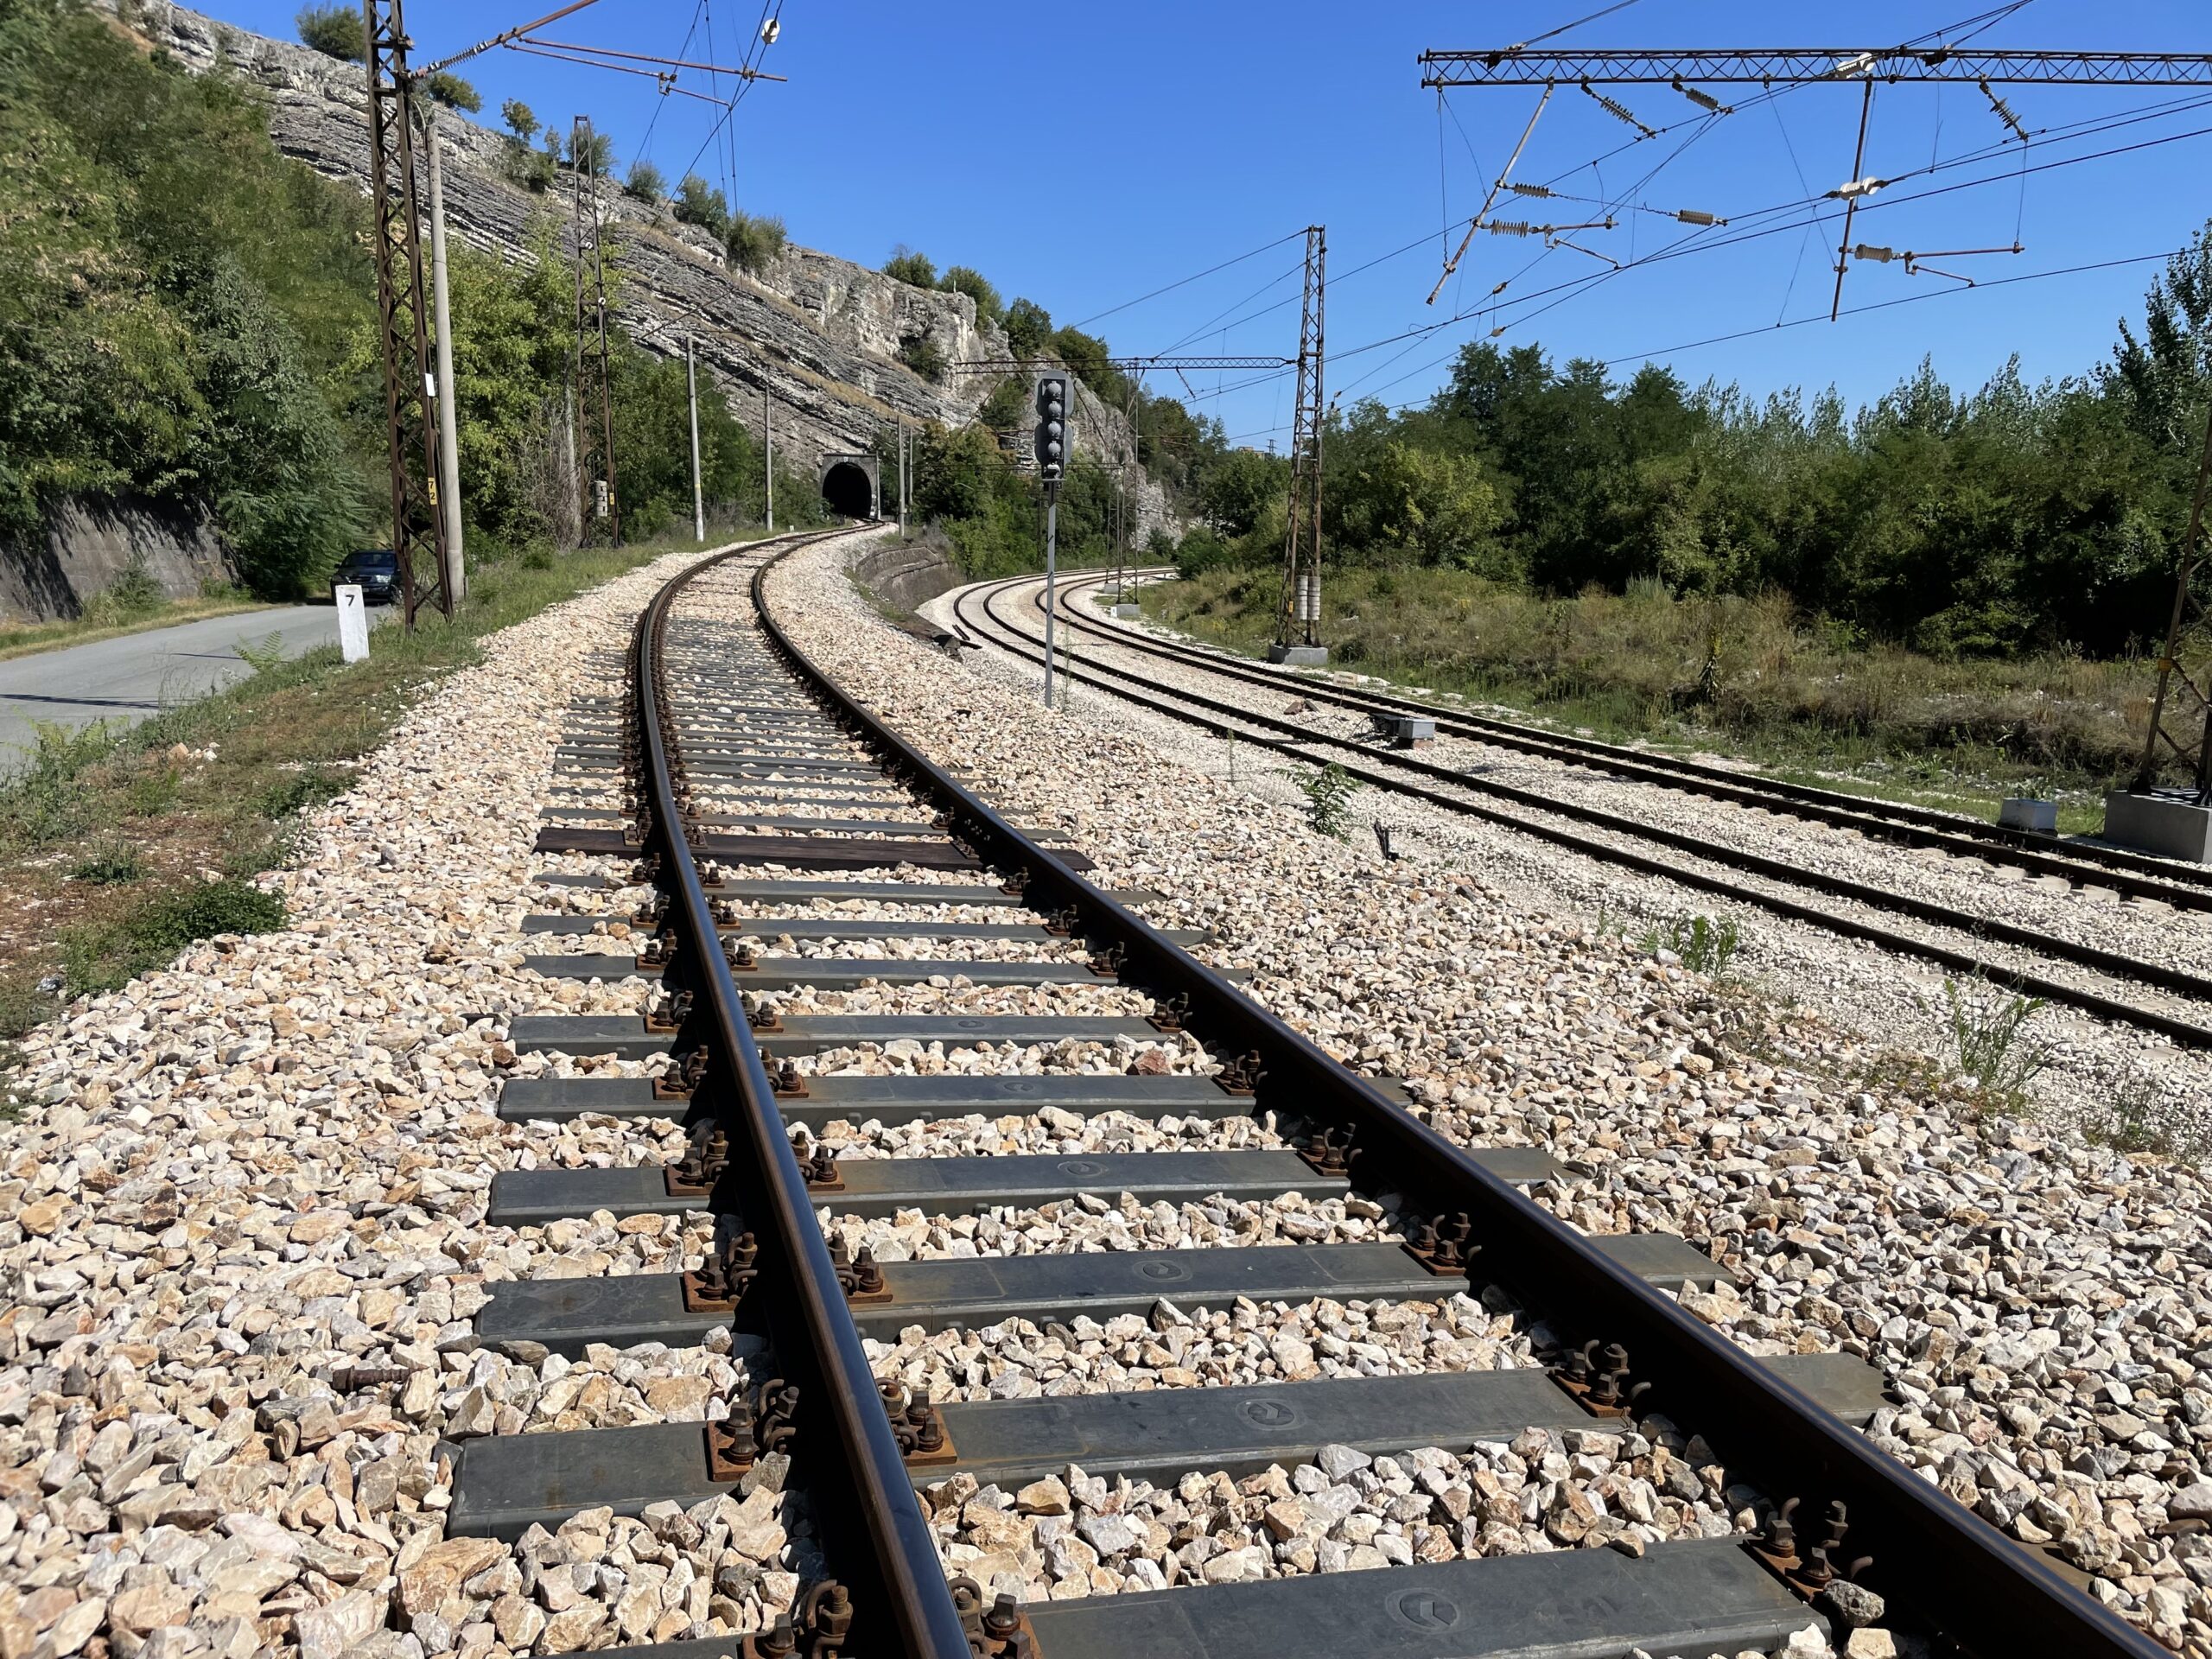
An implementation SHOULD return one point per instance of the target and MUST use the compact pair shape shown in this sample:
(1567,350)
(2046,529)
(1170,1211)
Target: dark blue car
(375,570)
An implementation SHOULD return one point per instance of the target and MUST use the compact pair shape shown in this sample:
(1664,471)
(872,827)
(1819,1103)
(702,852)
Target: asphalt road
(126,679)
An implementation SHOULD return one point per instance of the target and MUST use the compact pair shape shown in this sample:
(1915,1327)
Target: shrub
(1007,404)
(923,355)
(753,242)
(338,32)
(905,266)
(44,801)
(452,92)
(521,121)
(1328,794)
(699,203)
(133,594)
(645,182)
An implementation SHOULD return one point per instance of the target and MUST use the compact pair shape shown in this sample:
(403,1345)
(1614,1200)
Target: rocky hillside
(819,333)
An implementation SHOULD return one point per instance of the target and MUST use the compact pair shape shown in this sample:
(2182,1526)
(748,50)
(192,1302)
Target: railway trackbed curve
(1961,938)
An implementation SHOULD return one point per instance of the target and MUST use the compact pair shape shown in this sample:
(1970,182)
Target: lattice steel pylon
(2181,709)
(410,382)
(1298,612)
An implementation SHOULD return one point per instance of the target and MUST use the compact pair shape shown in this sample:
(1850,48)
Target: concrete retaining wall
(88,544)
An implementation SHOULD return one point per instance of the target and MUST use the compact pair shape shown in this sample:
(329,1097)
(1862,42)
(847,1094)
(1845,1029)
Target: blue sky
(1086,155)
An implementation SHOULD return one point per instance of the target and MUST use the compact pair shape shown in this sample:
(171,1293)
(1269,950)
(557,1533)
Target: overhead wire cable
(1184,281)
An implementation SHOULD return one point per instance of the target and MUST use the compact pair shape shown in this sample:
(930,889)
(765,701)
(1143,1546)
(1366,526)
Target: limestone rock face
(819,334)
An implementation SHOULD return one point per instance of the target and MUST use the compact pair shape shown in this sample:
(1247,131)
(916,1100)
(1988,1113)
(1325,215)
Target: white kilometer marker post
(353,622)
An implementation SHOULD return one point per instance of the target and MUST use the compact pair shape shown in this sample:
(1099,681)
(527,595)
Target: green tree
(596,159)
(1085,353)
(337,31)
(1008,403)
(961,279)
(644,182)
(700,203)
(176,326)
(1028,327)
(2163,375)
(905,266)
(1238,492)
(530,168)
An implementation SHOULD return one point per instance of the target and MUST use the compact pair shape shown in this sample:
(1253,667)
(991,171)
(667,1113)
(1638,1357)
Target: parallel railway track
(2134,876)
(1653,851)
(737,749)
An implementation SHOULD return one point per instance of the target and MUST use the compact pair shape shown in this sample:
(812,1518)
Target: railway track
(2079,862)
(1695,861)
(766,803)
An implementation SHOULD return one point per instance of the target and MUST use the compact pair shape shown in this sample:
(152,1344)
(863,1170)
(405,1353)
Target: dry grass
(1748,677)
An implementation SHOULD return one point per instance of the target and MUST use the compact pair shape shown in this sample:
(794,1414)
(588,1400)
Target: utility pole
(1298,609)
(410,379)
(902,478)
(456,570)
(698,496)
(583,158)
(768,447)
(586,494)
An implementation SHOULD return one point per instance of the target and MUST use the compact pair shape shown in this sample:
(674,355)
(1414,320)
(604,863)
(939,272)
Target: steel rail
(1944,1563)
(865,1502)
(1908,825)
(2182,1032)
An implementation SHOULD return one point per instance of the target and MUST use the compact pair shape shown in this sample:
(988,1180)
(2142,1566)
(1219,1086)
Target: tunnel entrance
(849,486)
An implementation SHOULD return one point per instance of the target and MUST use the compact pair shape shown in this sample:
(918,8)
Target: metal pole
(588,164)
(698,496)
(448,446)
(902,478)
(1051,577)
(1320,417)
(768,443)
(585,497)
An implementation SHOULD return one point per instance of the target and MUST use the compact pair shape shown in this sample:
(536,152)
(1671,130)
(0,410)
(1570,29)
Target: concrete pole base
(1299,655)
(2172,826)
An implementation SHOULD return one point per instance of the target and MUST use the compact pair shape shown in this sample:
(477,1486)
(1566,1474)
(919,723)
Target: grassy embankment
(1748,678)
(101,621)
(118,848)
